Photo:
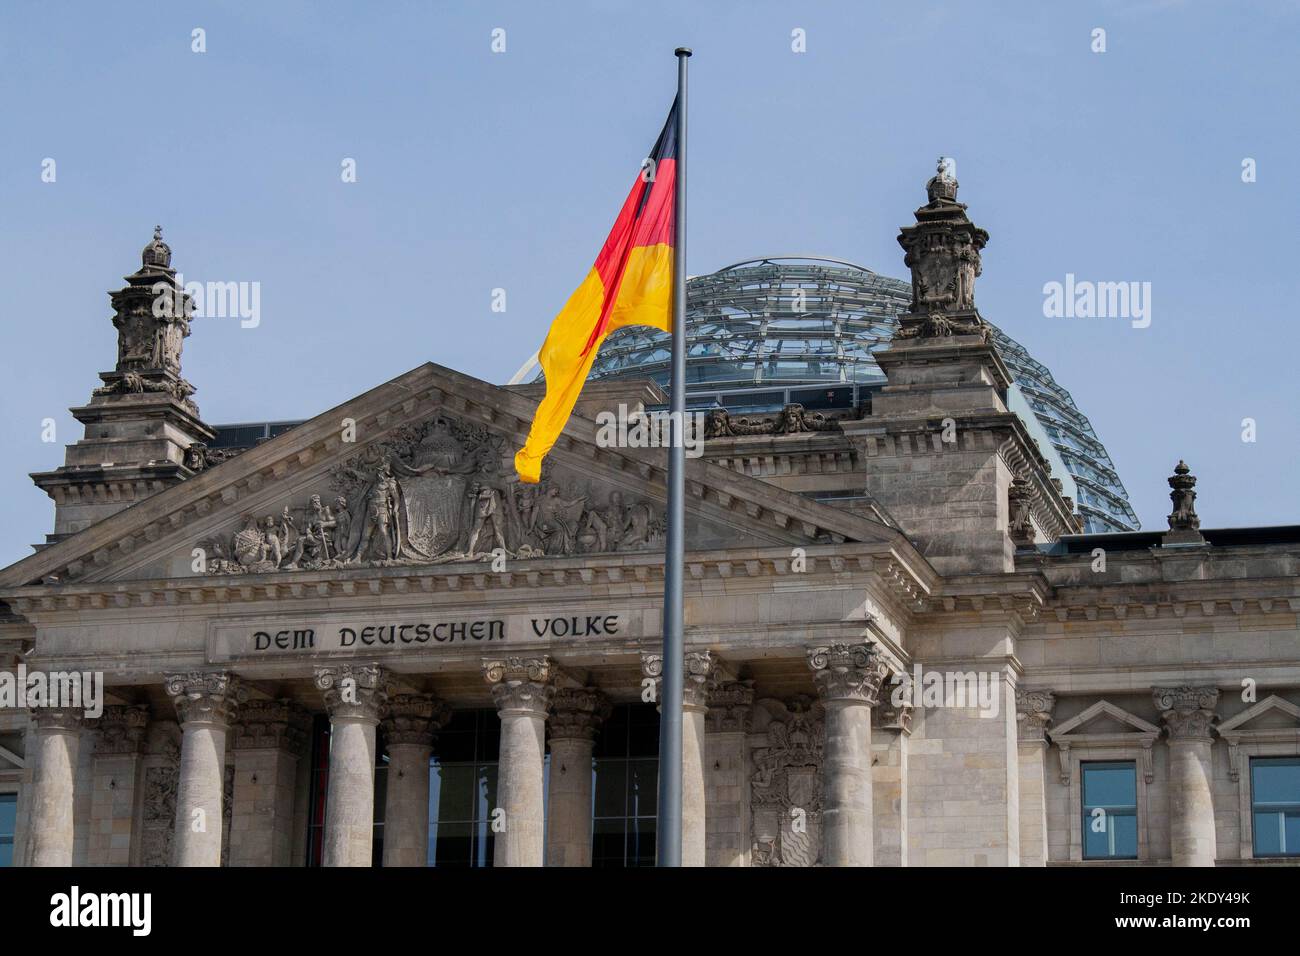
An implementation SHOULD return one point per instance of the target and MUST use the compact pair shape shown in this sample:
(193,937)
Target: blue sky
(479,170)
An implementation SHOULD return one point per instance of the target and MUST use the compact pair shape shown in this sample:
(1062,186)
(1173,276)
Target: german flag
(631,283)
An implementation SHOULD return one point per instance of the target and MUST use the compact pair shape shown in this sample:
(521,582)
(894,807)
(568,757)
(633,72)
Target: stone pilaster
(698,681)
(1033,716)
(409,722)
(115,781)
(1188,715)
(355,694)
(575,719)
(726,760)
(50,835)
(206,703)
(522,689)
(891,730)
(848,678)
(269,742)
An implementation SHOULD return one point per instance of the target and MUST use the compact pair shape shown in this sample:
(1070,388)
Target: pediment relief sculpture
(436,492)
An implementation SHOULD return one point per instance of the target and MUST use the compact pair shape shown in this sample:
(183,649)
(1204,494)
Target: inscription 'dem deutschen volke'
(429,633)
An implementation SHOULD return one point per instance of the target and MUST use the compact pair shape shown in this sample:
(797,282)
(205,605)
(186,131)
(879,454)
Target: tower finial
(157,255)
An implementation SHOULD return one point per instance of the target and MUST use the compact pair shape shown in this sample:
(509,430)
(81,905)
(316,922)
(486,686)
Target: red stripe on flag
(654,226)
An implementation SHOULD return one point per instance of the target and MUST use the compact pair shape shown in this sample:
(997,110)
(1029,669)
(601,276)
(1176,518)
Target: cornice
(908,578)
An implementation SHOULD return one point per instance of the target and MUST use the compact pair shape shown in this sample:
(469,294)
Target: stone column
(1188,713)
(269,742)
(522,689)
(206,704)
(1033,715)
(891,732)
(699,680)
(848,678)
(576,717)
(726,761)
(410,722)
(354,696)
(58,730)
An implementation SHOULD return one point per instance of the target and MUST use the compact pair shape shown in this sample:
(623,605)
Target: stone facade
(921,680)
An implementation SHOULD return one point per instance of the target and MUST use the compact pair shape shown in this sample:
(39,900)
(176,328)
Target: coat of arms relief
(786,785)
(436,492)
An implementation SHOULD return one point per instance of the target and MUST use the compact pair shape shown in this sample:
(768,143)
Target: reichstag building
(923,625)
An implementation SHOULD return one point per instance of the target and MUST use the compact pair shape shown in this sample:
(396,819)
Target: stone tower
(945,456)
(142,423)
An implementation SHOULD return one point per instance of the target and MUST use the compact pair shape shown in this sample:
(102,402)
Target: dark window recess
(462,790)
(626,788)
(318,786)
(813,398)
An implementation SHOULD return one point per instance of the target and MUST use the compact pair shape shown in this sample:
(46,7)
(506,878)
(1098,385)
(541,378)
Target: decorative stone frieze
(1034,713)
(354,691)
(521,684)
(1187,711)
(848,671)
(205,697)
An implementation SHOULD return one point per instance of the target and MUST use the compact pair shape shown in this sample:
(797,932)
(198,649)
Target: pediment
(423,465)
(1102,719)
(1271,714)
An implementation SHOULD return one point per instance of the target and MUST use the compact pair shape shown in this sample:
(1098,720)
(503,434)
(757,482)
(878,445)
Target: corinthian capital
(57,720)
(731,704)
(121,729)
(355,691)
(578,714)
(1188,711)
(414,718)
(272,725)
(521,685)
(205,697)
(848,671)
(699,676)
(1034,713)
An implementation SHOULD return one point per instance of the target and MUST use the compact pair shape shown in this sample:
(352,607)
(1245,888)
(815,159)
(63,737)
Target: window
(318,787)
(625,789)
(463,790)
(1109,810)
(1274,803)
(8,827)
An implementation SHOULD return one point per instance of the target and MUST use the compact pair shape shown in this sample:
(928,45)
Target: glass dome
(758,328)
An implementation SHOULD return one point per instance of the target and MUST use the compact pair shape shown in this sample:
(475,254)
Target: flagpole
(669,825)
